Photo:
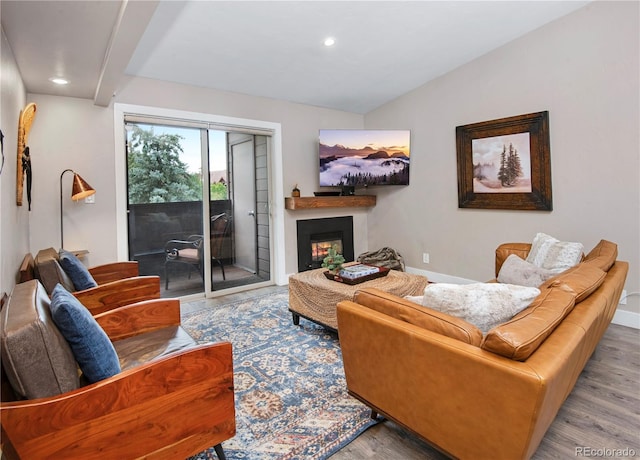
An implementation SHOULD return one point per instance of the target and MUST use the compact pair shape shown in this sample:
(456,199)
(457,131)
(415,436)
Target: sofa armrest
(506,249)
(119,293)
(106,273)
(155,402)
(139,318)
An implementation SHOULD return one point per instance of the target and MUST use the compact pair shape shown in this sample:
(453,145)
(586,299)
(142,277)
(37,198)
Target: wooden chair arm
(114,271)
(119,293)
(174,407)
(26,272)
(139,318)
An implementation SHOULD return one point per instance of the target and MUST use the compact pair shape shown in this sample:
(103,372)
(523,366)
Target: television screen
(364,157)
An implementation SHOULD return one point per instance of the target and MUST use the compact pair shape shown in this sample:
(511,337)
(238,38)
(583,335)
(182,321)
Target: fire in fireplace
(320,248)
(316,236)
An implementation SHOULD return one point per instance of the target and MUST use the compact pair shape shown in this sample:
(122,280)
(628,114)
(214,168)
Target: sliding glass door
(198,232)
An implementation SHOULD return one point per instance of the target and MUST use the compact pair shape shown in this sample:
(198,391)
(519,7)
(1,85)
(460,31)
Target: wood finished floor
(602,411)
(185,283)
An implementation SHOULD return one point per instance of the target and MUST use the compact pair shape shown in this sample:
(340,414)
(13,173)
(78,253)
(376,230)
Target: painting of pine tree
(502,164)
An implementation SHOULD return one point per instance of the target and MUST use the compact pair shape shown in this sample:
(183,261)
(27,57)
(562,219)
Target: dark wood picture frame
(538,195)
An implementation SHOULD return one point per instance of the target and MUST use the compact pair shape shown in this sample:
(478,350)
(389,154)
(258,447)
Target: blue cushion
(80,276)
(89,343)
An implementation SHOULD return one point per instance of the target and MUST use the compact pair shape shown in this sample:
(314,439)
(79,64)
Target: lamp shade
(80,189)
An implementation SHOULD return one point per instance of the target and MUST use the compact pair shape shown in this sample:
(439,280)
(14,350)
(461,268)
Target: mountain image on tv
(359,158)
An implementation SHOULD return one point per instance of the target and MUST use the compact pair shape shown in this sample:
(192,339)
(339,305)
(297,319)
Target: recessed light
(58,81)
(329,41)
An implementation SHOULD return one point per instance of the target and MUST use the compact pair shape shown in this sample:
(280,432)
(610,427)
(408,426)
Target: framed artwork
(505,163)
(23,166)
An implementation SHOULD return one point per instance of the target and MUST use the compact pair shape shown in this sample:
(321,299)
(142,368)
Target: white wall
(73,133)
(14,227)
(583,69)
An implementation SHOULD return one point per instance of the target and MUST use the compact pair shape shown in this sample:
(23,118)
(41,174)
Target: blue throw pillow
(76,270)
(89,343)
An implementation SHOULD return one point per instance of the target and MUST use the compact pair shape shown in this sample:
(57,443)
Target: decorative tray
(384,271)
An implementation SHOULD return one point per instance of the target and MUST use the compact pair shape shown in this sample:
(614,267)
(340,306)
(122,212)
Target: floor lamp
(79,190)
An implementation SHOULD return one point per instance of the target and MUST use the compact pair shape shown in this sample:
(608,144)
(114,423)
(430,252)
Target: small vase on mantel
(295,192)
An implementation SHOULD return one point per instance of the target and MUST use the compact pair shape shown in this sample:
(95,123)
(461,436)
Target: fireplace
(316,236)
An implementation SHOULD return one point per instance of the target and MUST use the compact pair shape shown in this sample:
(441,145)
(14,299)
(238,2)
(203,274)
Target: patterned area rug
(290,389)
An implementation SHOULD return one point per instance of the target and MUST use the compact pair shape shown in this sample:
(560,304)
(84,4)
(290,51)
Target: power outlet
(425,257)
(91,199)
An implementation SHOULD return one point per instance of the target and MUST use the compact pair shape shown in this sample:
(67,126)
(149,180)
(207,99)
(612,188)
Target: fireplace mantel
(315,202)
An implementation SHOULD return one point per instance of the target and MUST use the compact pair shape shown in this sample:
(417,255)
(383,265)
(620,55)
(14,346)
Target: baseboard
(436,277)
(626,318)
(621,317)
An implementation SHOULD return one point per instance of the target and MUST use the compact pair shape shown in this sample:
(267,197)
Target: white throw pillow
(515,270)
(552,254)
(484,305)
(414,298)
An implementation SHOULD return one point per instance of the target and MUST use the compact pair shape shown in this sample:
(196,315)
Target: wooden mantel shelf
(315,202)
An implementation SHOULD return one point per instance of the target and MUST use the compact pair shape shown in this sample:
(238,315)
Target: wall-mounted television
(364,157)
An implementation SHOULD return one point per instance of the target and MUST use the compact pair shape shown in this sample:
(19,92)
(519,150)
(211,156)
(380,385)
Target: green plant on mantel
(334,260)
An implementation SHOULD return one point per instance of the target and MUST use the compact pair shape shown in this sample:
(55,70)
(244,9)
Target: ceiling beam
(133,18)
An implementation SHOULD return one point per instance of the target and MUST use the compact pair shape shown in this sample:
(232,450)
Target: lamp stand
(61,215)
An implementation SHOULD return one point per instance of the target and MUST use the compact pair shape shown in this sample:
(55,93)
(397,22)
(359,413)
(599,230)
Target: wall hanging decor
(505,163)
(2,149)
(23,166)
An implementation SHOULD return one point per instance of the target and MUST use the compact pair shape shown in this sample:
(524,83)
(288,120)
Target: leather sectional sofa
(472,395)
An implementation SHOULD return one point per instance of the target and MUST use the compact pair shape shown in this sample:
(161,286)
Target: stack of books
(353,272)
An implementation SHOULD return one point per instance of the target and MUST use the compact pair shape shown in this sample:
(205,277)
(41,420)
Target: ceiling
(272,49)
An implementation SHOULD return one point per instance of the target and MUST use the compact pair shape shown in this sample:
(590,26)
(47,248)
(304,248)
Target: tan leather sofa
(475,396)
(172,398)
